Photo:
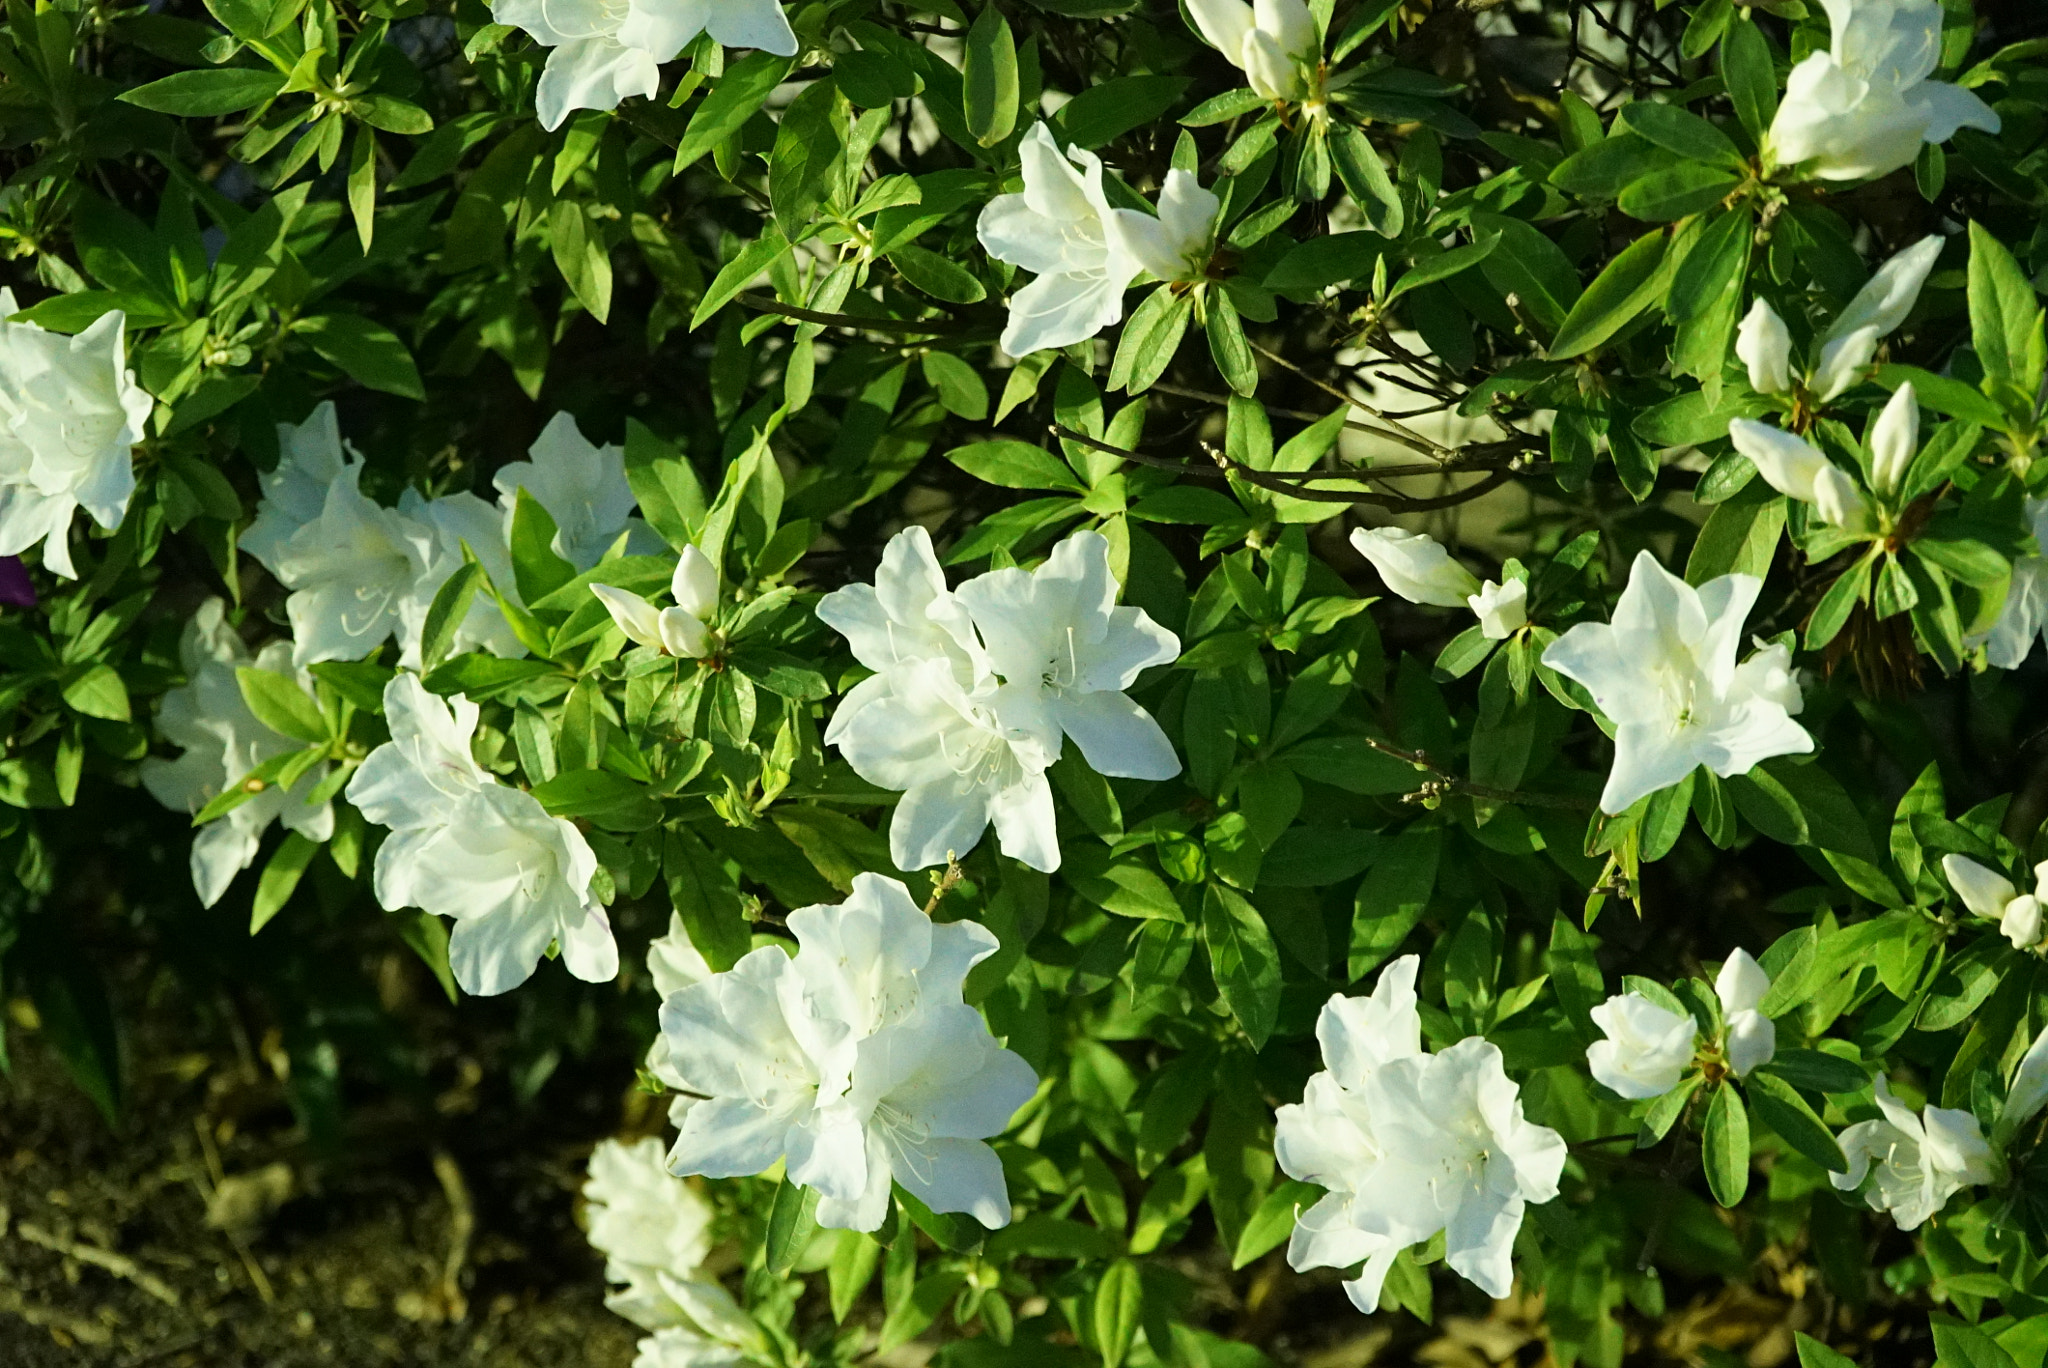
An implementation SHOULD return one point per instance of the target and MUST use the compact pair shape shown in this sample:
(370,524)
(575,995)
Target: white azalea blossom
(458,521)
(310,457)
(606,50)
(2024,616)
(583,488)
(1991,895)
(1750,1038)
(1842,352)
(1866,107)
(223,741)
(1178,243)
(976,690)
(646,1222)
(855,1061)
(1665,673)
(2029,1090)
(351,572)
(1416,566)
(1911,1165)
(1409,1144)
(1764,345)
(683,630)
(1062,229)
(70,416)
(1647,1049)
(512,878)
(1274,42)
(1502,609)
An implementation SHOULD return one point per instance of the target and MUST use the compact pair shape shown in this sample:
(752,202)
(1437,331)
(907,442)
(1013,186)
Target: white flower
(976,689)
(1764,345)
(1409,1144)
(2024,615)
(856,1061)
(674,963)
(1274,42)
(1991,895)
(70,416)
(1878,308)
(1065,652)
(1865,108)
(1795,468)
(583,488)
(1416,566)
(1502,609)
(680,1347)
(605,50)
(1894,438)
(2029,1091)
(1062,229)
(1178,243)
(646,1222)
(683,630)
(463,846)
(1839,501)
(1913,1164)
(1751,1037)
(1664,673)
(310,457)
(1647,1050)
(351,572)
(223,741)
(459,520)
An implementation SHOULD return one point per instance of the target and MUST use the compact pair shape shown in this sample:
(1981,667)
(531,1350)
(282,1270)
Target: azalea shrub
(1139,664)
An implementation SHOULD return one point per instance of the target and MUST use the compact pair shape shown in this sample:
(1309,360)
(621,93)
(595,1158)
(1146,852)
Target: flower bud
(1502,609)
(1788,464)
(1894,438)
(1839,501)
(1416,567)
(1765,346)
(1647,1048)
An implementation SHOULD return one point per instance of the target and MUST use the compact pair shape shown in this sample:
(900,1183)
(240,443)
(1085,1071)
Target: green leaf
(446,612)
(1273,1221)
(1393,897)
(1365,177)
(1621,291)
(958,385)
(1850,588)
(369,352)
(1678,130)
(1229,348)
(1243,959)
(1818,1071)
(1119,1307)
(670,496)
(536,568)
(1779,1106)
(71,1000)
(206,94)
(988,78)
(1957,1345)
(582,257)
(1107,111)
(2005,314)
(1430,269)
(1015,465)
(705,897)
(1740,536)
(937,276)
(1752,83)
(389,114)
(1724,1147)
(738,94)
(809,145)
(792,1221)
(97,691)
(1688,188)
(1121,885)
(1814,1354)
(281,705)
(1528,265)
(280,877)
(1332,259)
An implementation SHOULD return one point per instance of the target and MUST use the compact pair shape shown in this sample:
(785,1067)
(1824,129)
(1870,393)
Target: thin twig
(1447,782)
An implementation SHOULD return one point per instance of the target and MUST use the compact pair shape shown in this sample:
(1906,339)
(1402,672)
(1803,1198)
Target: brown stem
(1452,783)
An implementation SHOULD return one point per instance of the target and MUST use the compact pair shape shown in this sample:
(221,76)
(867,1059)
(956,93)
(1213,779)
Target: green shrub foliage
(1140,650)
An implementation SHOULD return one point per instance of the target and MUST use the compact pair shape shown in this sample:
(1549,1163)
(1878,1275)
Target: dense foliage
(672,487)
